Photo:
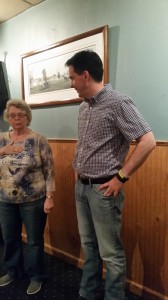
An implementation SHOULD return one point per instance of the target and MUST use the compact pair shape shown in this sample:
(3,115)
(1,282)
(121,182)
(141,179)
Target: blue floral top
(26,176)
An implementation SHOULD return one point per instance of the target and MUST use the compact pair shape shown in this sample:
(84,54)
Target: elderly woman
(26,194)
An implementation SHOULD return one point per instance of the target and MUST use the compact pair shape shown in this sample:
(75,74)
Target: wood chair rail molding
(158,142)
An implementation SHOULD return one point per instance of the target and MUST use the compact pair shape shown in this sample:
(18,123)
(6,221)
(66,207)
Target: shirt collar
(98,96)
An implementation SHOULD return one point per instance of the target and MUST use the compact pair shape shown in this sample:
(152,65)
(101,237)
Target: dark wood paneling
(62,236)
(145,226)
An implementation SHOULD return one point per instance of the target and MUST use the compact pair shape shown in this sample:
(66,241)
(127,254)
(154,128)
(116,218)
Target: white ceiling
(11,8)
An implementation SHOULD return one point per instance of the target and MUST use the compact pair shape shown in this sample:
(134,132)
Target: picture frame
(44,77)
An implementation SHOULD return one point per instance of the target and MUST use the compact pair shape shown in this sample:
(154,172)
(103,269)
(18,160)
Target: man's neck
(94,89)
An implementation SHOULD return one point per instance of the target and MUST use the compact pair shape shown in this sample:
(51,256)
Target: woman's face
(17,118)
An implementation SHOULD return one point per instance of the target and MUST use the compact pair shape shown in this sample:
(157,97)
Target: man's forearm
(145,145)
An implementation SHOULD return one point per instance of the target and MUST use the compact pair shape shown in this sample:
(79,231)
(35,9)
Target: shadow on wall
(145,236)
(4,126)
(4,90)
(113,36)
(66,131)
(4,93)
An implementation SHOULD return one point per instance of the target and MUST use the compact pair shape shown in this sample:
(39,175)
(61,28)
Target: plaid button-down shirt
(107,124)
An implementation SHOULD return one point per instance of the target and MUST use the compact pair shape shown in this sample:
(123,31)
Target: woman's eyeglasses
(19,115)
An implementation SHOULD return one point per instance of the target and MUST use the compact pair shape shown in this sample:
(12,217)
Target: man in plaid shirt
(108,122)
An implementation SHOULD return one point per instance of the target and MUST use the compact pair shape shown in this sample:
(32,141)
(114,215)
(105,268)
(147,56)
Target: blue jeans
(99,222)
(12,216)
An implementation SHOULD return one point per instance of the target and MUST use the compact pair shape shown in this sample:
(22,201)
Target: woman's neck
(17,134)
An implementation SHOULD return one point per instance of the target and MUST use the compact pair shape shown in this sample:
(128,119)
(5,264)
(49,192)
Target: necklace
(18,137)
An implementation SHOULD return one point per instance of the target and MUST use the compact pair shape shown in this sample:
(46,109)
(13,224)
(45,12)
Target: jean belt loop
(90,183)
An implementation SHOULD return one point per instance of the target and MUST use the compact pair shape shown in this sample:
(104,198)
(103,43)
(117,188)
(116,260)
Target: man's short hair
(87,60)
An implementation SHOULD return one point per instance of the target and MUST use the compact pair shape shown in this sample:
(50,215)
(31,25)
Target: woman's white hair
(18,103)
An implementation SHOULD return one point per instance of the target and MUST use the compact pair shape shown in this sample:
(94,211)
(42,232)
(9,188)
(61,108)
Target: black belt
(101,180)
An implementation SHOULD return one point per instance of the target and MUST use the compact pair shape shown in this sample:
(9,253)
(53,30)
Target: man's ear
(86,74)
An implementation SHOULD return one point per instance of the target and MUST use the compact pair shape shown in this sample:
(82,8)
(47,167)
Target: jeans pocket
(101,192)
(110,200)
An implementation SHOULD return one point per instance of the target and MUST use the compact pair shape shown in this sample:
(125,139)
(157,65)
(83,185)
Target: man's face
(78,82)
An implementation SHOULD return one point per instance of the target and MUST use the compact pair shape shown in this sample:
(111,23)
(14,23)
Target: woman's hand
(48,205)
(11,149)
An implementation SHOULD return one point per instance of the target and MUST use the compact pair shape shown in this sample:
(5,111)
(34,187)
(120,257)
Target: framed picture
(45,80)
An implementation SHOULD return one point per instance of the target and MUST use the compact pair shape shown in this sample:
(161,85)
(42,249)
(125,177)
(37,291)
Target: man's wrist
(121,176)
